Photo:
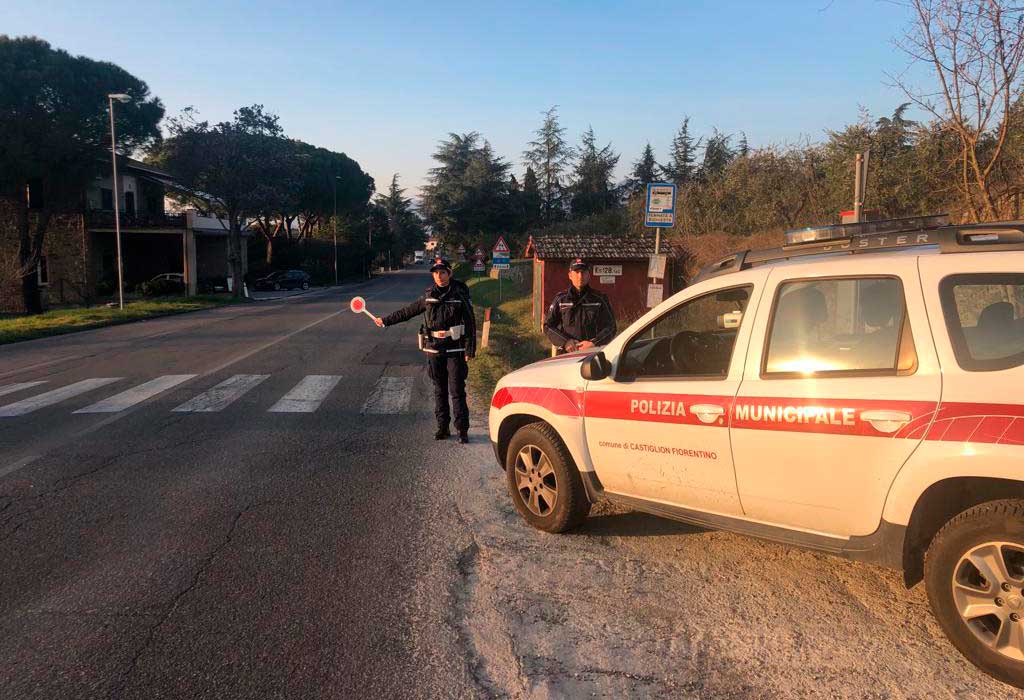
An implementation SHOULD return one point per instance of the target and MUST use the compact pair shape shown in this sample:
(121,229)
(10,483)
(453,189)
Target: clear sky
(385,81)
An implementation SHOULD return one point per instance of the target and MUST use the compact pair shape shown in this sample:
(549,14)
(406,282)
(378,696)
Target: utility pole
(336,178)
(860,183)
(122,98)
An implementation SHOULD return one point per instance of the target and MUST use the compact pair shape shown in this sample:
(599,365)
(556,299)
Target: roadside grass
(514,341)
(70,320)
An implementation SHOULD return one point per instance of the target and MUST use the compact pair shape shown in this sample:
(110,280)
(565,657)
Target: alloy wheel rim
(536,481)
(988,591)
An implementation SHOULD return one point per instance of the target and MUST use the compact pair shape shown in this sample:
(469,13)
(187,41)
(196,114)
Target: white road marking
(24,406)
(390,395)
(137,394)
(307,395)
(221,395)
(15,466)
(11,388)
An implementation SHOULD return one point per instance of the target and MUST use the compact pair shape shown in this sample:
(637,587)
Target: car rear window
(985,319)
(826,326)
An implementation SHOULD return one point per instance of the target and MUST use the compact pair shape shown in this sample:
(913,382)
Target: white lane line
(221,395)
(307,395)
(24,406)
(15,466)
(390,395)
(137,394)
(11,388)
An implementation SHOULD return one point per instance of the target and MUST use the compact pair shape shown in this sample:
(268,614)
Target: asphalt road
(229,550)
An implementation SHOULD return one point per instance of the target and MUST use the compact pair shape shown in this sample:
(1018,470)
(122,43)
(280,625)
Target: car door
(657,428)
(840,386)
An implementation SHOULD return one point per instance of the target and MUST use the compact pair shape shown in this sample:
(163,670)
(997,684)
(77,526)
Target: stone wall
(66,247)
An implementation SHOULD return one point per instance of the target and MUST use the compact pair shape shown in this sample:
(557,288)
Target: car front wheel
(543,481)
(974,573)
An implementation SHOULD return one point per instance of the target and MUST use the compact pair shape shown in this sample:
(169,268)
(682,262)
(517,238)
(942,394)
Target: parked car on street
(857,391)
(164,284)
(283,279)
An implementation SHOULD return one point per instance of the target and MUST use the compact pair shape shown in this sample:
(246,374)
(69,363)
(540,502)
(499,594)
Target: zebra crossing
(389,395)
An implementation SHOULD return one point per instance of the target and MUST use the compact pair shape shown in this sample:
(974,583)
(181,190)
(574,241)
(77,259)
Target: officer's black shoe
(464,438)
(442,434)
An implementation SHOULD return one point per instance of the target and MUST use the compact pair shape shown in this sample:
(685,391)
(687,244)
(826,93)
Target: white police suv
(859,390)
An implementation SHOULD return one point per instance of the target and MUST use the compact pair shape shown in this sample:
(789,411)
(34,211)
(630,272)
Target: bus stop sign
(660,211)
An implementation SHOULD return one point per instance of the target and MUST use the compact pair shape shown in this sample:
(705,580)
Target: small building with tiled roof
(619,266)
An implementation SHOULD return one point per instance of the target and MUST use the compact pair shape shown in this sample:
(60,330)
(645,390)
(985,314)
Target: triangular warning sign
(501,246)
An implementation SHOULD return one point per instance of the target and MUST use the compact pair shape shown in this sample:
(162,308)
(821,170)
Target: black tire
(305,286)
(277,287)
(996,526)
(571,505)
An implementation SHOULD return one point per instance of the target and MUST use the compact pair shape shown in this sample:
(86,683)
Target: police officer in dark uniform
(448,337)
(580,317)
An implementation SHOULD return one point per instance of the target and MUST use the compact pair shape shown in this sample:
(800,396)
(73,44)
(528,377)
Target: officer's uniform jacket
(443,308)
(579,315)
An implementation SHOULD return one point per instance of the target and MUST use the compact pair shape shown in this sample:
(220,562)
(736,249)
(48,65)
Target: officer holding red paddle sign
(448,337)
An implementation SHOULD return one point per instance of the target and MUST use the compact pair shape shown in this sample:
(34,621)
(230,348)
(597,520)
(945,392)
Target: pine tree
(717,154)
(532,202)
(592,188)
(467,194)
(682,156)
(645,171)
(743,149)
(550,156)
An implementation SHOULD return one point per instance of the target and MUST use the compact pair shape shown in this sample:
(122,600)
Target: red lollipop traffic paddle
(358,306)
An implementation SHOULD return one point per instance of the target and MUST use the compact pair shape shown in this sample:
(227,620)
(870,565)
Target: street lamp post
(336,178)
(117,197)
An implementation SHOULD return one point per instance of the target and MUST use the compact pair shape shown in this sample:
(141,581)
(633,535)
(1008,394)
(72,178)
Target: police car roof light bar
(877,237)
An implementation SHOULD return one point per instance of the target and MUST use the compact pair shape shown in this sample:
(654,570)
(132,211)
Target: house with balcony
(79,262)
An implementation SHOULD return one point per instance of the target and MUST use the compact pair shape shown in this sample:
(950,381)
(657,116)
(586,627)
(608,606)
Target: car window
(695,339)
(985,318)
(839,325)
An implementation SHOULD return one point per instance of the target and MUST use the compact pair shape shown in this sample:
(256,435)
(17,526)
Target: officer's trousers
(448,372)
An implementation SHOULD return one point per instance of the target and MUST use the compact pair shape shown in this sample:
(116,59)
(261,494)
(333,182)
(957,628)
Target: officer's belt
(447,333)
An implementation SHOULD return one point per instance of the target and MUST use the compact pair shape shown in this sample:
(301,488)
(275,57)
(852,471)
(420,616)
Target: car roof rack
(878,236)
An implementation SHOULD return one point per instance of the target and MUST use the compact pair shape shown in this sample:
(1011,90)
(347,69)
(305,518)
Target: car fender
(562,409)
(938,460)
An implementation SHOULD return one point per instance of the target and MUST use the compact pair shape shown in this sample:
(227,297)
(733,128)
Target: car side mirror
(595,367)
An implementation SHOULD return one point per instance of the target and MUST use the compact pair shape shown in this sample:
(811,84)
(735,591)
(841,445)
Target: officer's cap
(579,264)
(441,264)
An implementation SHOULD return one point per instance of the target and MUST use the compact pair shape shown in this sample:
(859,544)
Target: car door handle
(707,412)
(886,421)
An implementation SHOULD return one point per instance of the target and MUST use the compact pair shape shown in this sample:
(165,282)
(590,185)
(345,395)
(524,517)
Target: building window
(106,199)
(42,272)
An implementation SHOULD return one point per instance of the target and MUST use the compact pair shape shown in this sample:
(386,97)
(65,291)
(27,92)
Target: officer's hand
(469,357)
(584,344)
(570,346)
(378,321)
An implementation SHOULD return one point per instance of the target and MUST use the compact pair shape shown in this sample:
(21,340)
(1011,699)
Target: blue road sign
(660,211)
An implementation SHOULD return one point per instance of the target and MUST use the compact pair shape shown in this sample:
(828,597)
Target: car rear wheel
(543,481)
(974,572)
(277,287)
(305,285)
